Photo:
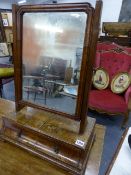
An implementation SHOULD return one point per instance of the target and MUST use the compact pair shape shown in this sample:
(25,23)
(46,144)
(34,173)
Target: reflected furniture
(105,101)
(70,91)
(35,87)
(58,67)
(51,131)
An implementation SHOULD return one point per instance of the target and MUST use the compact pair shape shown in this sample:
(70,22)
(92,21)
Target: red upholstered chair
(127,49)
(105,46)
(105,101)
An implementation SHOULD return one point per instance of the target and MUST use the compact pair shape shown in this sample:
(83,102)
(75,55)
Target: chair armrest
(128,94)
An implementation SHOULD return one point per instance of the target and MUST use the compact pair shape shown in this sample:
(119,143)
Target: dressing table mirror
(54,51)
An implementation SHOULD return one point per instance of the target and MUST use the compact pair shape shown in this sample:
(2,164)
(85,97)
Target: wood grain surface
(16,161)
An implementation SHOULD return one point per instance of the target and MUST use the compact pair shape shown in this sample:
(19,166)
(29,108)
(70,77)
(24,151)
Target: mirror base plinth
(50,137)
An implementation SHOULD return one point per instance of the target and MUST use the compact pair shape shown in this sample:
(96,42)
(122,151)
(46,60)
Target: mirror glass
(52,47)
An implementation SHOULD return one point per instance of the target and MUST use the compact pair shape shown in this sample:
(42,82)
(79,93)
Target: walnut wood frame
(89,48)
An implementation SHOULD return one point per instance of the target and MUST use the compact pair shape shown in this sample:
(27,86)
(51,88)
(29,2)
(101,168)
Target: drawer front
(55,149)
(52,148)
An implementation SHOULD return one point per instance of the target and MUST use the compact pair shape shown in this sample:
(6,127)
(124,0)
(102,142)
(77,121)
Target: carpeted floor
(112,136)
(113,129)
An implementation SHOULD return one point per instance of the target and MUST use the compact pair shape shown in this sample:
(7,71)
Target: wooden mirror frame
(89,48)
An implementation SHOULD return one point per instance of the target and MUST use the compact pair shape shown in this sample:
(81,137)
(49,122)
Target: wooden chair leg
(125,120)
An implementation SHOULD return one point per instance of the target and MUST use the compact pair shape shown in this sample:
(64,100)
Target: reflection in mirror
(51,58)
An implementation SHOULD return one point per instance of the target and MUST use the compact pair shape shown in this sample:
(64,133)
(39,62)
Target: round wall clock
(100,78)
(120,82)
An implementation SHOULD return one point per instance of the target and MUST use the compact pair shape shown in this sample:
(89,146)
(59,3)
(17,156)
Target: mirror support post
(93,45)
(14,17)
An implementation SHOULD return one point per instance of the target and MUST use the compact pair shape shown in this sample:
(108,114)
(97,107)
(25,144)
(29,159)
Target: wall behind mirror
(110,13)
(51,55)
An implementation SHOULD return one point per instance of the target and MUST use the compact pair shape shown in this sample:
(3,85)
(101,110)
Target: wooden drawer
(70,157)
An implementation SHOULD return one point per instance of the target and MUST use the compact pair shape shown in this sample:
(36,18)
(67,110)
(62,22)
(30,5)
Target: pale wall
(5,5)
(110,12)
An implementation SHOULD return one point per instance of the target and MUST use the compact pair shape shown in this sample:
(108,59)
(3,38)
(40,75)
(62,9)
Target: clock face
(100,79)
(120,82)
